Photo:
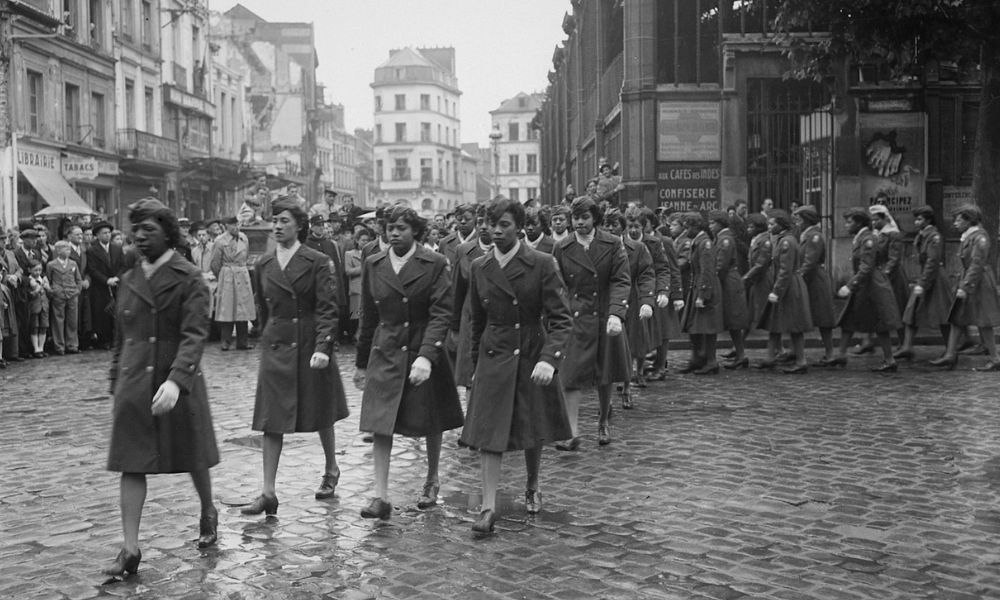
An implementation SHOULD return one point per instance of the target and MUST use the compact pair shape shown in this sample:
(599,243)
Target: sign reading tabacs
(688,187)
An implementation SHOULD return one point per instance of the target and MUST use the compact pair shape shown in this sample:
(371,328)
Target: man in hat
(350,212)
(326,207)
(608,184)
(105,264)
(184,244)
(318,240)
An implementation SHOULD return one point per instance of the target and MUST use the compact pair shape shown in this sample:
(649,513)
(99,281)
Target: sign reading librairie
(686,187)
(688,131)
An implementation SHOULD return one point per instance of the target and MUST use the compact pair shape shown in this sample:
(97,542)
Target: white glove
(918,291)
(699,303)
(420,370)
(843,292)
(772,298)
(961,294)
(360,378)
(165,398)
(543,372)
(662,301)
(678,305)
(319,360)
(614,325)
(645,311)
(112,281)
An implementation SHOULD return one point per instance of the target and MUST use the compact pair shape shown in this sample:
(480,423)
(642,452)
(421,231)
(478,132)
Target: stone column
(639,103)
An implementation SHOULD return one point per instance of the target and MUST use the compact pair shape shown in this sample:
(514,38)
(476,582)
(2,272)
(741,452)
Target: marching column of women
(526,319)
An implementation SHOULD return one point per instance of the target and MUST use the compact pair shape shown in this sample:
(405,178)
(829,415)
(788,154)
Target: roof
(408,57)
(520,103)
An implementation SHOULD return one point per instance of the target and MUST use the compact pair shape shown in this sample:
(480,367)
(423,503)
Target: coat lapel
(268,264)
(383,271)
(137,282)
(414,268)
(494,274)
(298,266)
(577,254)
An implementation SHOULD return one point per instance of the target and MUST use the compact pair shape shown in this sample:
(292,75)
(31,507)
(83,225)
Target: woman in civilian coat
(930,300)
(298,382)
(735,315)
(234,301)
(759,278)
(788,303)
(401,363)
(812,268)
(889,256)
(594,266)
(161,421)
(976,303)
(520,322)
(641,299)
(703,318)
(871,305)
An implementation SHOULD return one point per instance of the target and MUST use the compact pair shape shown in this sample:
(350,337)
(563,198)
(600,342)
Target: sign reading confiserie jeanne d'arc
(688,131)
(688,187)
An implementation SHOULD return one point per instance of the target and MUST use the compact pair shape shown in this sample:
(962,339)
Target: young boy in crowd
(38,308)
(66,281)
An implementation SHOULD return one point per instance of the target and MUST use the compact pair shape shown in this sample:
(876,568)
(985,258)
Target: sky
(502,47)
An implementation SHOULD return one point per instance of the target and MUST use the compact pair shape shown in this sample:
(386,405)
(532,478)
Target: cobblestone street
(836,485)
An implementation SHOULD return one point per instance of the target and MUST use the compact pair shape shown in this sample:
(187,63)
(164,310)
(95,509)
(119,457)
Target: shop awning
(54,189)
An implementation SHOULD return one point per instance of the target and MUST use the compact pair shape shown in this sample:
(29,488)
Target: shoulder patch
(936,238)
(785,244)
(708,245)
(982,242)
(815,237)
(869,244)
(767,243)
(725,243)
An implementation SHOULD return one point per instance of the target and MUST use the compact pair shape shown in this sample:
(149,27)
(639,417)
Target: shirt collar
(401,260)
(968,232)
(858,235)
(587,240)
(150,267)
(505,257)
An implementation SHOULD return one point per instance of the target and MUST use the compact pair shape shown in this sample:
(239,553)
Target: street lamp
(495,136)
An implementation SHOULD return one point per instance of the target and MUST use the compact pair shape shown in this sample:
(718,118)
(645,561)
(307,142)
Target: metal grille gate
(789,144)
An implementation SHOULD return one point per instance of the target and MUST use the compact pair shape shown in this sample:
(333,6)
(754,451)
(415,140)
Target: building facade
(336,154)
(691,99)
(417,148)
(57,98)
(518,147)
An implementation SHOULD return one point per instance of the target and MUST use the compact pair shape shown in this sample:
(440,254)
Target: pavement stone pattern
(836,485)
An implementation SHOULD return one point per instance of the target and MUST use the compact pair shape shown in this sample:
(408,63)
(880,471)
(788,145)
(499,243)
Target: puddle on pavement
(509,508)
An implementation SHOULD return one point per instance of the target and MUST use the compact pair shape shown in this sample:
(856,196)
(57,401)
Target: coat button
(149,369)
(514,302)
(406,323)
(128,341)
(576,314)
(404,348)
(405,300)
(295,319)
(152,311)
(292,345)
(517,325)
(517,351)
(152,340)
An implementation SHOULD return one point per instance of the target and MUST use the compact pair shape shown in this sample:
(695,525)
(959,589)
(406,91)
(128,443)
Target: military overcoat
(162,324)
(871,307)
(735,314)
(597,284)
(790,314)
(298,312)
(519,316)
(705,286)
(931,308)
(812,268)
(981,306)
(759,278)
(404,316)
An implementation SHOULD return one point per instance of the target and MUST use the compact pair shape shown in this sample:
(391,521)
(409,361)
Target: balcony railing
(401,175)
(139,145)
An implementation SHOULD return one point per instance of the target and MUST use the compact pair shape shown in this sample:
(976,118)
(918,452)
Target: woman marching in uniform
(401,364)
(520,323)
(298,382)
(871,305)
(758,279)
(735,316)
(638,318)
(889,257)
(813,271)
(788,303)
(668,280)
(161,421)
(976,301)
(703,318)
(594,267)
(930,299)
